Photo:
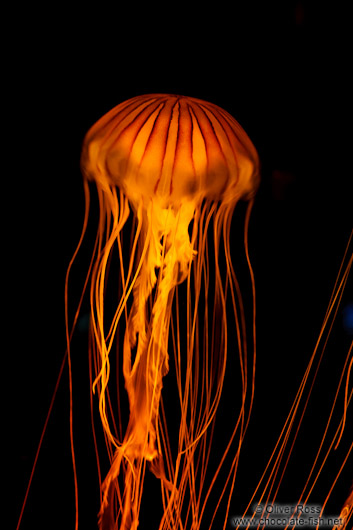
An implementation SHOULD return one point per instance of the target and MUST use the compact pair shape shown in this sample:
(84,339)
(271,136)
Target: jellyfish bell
(170,149)
(173,160)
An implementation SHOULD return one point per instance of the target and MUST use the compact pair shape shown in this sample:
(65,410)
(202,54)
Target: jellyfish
(169,171)
(168,323)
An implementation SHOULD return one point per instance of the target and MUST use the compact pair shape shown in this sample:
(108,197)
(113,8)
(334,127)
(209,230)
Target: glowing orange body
(174,158)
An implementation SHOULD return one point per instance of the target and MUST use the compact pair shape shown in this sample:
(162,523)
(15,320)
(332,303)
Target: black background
(282,71)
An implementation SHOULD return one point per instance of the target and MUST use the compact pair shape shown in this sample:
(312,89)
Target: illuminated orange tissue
(177,162)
